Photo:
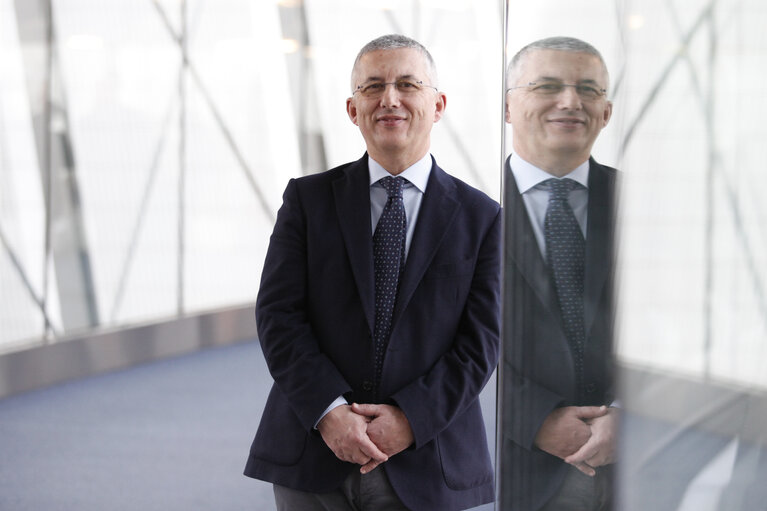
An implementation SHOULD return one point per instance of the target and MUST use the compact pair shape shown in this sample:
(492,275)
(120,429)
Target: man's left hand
(388,428)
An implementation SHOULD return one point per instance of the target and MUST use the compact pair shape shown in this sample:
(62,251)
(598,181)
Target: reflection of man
(378,314)
(559,432)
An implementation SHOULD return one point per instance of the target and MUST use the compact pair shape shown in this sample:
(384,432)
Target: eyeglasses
(376,89)
(586,92)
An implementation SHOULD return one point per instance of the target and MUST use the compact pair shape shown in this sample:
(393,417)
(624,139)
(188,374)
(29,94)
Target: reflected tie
(388,261)
(565,252)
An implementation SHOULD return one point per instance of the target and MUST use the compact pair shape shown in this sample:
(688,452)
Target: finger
(370,449)
(589,471)
(369,466)
(367,410)
(359,458)
(596,461)
(591,412)
(587,451)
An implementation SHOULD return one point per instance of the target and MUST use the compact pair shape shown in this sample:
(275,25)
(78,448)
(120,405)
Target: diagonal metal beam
(661,80)
(139,223)
(455,137)
(757,280)
(460,146)
(217,115)
(182,167)
(25,281)
(66,244)
(717,167)
(715,164)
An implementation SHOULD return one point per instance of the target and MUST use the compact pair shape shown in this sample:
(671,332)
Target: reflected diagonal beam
(748,253)
(217,116)
(696,85)
(661,81)
(141,213)
(730,193)
(25,280)
(694,75)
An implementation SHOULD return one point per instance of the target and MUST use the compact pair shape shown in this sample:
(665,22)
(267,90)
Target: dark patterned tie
(565,252)
(388,261)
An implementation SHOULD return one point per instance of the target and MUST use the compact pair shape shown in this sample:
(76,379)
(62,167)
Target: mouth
(567,122)
(390,119)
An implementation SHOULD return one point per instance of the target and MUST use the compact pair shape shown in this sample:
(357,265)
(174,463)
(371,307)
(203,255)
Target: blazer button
(591,388)
(367,386)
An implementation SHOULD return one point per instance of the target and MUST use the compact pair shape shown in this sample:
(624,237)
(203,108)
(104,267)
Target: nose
(569,99)
(390,97)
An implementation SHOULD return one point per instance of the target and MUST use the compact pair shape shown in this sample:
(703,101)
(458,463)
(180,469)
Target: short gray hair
(393,42)
(560,43)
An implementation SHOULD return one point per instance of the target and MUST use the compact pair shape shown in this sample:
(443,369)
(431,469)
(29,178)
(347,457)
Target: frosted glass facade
(173,128)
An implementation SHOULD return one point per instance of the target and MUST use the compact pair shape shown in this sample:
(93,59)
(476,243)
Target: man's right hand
(345,432)
(565,429)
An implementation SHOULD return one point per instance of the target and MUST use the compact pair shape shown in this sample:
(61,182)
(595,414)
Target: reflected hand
(600,449)
(565,430)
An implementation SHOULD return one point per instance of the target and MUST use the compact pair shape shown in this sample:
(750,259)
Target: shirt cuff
(339,401)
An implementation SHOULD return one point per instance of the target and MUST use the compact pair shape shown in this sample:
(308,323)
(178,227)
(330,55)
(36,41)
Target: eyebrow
(555,79)
(379,79)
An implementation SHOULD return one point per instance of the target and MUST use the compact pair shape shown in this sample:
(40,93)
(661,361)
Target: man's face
(557,126)
(395,124)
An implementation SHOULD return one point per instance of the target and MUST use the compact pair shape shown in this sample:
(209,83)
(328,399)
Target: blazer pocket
(463,453)
(280,438)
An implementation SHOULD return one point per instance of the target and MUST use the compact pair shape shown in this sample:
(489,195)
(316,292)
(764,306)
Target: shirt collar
(417,173)
(529,176)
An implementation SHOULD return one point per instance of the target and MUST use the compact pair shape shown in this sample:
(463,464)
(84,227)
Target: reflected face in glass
(557,107)
(396,114)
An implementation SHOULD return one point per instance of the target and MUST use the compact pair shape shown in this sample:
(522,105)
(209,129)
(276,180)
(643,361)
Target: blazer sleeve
(305,376)
(452,385)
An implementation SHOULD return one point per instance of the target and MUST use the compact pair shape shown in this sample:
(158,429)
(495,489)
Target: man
(558,427)
(378,313)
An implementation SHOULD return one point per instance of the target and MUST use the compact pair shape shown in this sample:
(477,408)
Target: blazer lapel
(522,247)
(599,234)
(438,209)
(351,193)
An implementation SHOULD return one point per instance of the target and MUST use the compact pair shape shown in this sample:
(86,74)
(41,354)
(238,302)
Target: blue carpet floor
(170,435)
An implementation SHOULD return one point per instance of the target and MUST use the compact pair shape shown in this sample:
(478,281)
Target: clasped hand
(583,436)
(366,434)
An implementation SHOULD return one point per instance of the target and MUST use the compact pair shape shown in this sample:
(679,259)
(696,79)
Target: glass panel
(691,317)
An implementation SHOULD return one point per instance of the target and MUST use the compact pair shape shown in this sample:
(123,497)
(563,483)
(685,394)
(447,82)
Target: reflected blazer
(315,315)
(537,372)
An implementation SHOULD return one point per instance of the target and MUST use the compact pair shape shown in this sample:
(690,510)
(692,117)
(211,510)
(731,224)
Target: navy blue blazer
(537,371)
(315,314)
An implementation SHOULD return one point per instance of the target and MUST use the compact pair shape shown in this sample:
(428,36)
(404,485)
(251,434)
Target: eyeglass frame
(419,83)
(602,92)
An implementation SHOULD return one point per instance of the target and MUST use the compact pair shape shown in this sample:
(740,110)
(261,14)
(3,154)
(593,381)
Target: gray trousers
(580,492)
(368,492)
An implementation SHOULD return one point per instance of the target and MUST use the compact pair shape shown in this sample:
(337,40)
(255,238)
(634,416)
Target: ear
(351,110)
(608,113)
(440,106)
(508,109)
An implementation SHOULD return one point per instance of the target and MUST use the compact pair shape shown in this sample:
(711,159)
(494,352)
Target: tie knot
(559,189)
(393,185)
